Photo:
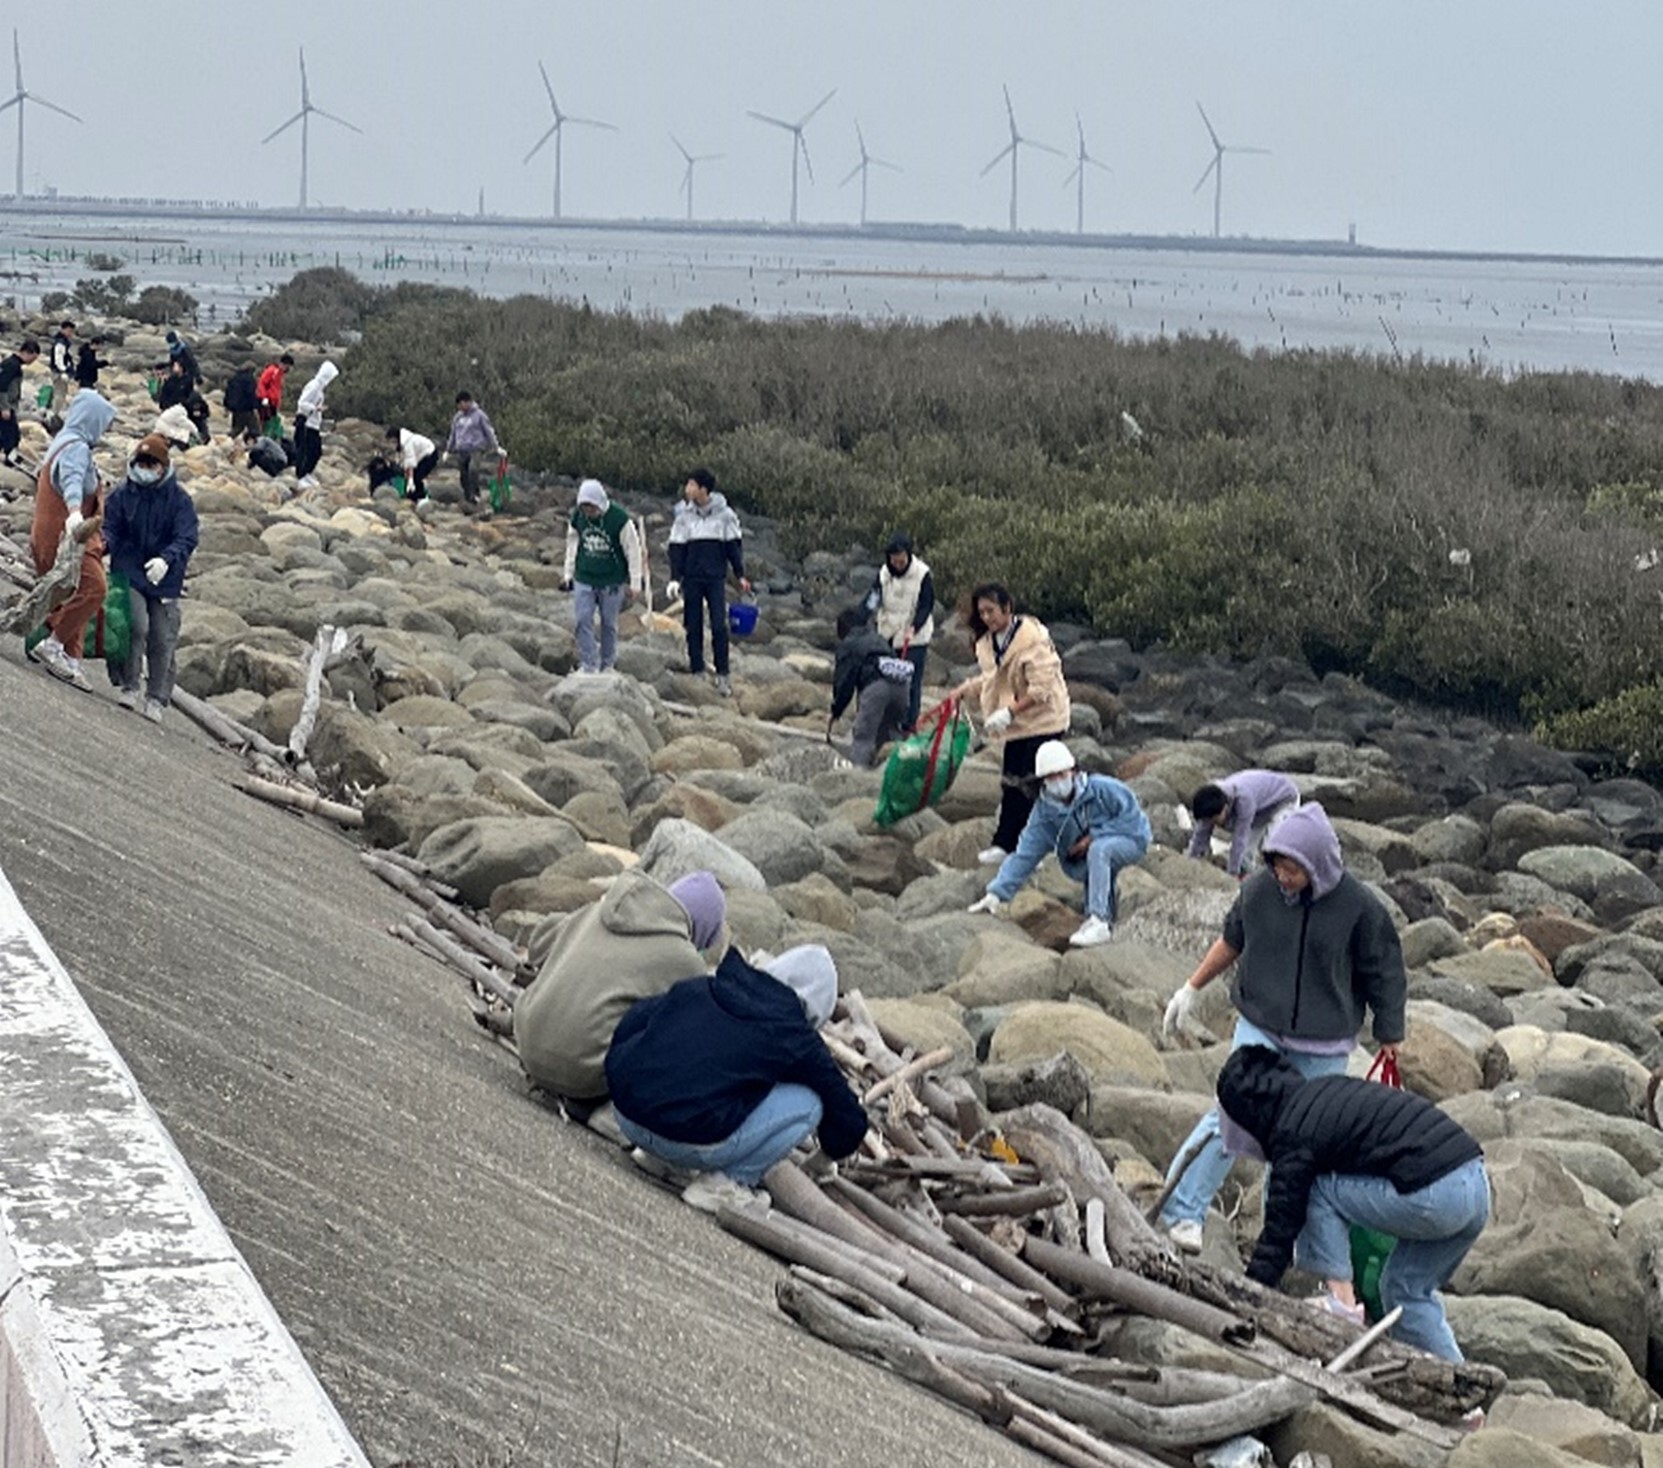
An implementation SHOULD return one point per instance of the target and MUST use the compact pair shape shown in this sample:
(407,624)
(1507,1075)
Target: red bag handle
(949,710)
(1385,1070)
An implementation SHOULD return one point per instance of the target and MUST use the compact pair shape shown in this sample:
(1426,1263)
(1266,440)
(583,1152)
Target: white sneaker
(711,1191)
(657,1167)
(991,856)
(128,701)
(724,686)
(309,482)
(1186,1236)
(1091,932)
(61,665)
(153,710)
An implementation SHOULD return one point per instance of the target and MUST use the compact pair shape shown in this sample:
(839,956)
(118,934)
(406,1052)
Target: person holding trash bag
(418,457)
(705,543)
(1094,825)
(868,669)
(471,435)
(903,600)
(1315,947)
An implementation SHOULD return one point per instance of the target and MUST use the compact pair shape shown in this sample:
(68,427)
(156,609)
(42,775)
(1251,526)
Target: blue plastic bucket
(742,618)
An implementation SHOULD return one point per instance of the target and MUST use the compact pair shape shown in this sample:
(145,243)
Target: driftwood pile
(982,1258)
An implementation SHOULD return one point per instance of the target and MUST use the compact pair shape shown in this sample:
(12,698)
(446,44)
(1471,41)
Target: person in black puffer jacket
(1345,1151)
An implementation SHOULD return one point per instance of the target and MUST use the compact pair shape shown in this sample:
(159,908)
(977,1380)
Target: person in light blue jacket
(1095,826)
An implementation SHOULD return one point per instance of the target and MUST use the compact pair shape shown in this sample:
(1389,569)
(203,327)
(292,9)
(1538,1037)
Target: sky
(1462,124)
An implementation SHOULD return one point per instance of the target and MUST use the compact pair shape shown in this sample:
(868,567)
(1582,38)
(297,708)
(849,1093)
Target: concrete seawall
(131,1330)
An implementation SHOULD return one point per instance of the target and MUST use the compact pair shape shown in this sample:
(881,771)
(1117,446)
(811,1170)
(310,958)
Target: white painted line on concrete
(131,1330)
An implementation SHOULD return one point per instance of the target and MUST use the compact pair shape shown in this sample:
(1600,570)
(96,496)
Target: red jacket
(270,386)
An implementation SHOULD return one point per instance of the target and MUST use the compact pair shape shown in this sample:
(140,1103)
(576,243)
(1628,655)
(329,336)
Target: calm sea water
(1511,316)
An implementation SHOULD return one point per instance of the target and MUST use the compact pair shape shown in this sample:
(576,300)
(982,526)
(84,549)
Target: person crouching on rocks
(631,945)
(903,599)
(1095,826)
(1248,804)
(867,667)
(1344,1152)
(151,528)
(1024,701)
(308,424)
(1315,945)
(724,1075)
(417,458)
(603,572)
(705,543)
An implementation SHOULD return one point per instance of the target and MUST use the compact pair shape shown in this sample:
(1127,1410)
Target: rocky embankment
(1527,895)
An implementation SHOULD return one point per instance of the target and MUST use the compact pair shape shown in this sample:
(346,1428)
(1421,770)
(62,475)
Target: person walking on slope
(867,666)
(471,435)
(242,400)
(603,570)
(1092,823)
(68,501)
(724,1075)
(903,597)
(418,457)
(1024,700)
(705,543)
(87,363)
(11,398)
(1248,804)
(150,527)
(1315,945)
(269,389)
(308,424)
(62,363)
(1345,1152)
(178,350)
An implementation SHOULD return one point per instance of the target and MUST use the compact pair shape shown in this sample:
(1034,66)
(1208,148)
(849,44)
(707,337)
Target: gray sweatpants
(155,641)
(880,714)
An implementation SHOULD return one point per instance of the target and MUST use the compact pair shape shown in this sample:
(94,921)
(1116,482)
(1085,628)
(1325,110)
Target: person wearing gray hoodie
(1312,948)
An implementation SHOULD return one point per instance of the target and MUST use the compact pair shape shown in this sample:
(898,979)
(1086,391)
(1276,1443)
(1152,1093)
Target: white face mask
(1060,787)
(143,474)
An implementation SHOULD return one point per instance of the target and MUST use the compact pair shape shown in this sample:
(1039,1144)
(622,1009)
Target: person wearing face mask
(150,528)
(1311,946)
(1094,825)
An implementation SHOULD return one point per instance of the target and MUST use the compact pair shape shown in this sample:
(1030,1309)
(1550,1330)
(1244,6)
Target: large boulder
(1612,887)
(1327,1434)
(678,847)
(357,749)
(1001,966)
(1591,1073)
(477,856)
(1458,839)
(1112,1053)
(1545,1432)
(696,752)
(1502,972)
(1519,828)
(781,847)
(885,864)
(1435,1062)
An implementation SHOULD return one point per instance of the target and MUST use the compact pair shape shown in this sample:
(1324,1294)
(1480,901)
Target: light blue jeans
(1104,857)
(1205,1175)
(784,1117)
(1434,1227)
(586,601)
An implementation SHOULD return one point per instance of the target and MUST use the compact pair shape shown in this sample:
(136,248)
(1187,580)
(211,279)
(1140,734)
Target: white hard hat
(1052,758)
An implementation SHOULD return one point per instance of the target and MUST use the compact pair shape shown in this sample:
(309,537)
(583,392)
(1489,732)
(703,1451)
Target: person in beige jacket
(1023,698)
(634,943)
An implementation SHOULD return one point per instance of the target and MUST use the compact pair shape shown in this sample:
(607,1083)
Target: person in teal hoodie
(603,571)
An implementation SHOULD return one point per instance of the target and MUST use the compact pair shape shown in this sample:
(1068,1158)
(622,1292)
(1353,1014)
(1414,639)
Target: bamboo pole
(907,1073)
(481,939)
(308,801)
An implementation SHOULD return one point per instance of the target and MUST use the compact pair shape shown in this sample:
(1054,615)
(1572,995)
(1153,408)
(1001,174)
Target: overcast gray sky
(1508,124)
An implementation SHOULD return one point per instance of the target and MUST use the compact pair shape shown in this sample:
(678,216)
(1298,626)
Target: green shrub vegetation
(1305,502)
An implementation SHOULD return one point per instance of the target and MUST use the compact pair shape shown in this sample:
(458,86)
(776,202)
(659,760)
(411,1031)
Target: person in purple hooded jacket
(1249,805)
(1312,948)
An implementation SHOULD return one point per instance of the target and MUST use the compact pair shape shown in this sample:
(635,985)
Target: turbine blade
(343,122)
(305,90)
(1095,164)
(851,173)
(286,126)
(885,163)
(1210,133)
(548,87)
(1043,147)
(1246,150)
(51,106)
(804,119)
(771,121)
(802,143)
(539,143)
(860,138)
(591,122)
(11,102)
(1206,175)
(684,153)
(17,57)
(1010,112)
(1073,174)
(998,158)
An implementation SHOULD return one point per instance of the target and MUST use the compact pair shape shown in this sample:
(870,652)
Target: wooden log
(418,869)
(796,1194)
(308,801)
(1017,1203)
(228,731)
(955,1169)
(406,934)
(907,1073)
(481,939)
(1170,1186)
(465,963)
(1059,1438)
(322,646)
(845,1294)
(1001,1261)
(884,1059)
(888,1270)
(1097,1244)
(1375,1332)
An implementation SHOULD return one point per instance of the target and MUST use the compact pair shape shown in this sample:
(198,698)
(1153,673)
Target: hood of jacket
(715,505)
(635,906)
(1254,1086)
(175,425)
(1307,837)
(326,374)
(88,420)
(808,971)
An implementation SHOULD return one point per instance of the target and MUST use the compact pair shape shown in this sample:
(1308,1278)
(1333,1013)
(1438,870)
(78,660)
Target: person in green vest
(603,569)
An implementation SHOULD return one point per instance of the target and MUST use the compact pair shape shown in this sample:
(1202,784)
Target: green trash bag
(400,487)
(43,395)
(1370,1249)
(501,490)
(153,386)
(274,427)
(110,633)
(923,765)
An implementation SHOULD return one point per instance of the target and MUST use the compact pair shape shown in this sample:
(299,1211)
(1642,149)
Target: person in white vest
(903,597)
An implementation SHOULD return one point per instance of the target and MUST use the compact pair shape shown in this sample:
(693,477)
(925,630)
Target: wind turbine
(867,161)
(687,176)
(1216,167)
(304,118)
(1078,177)
(1013,147)
(557,132)
(17,99)
(799,144)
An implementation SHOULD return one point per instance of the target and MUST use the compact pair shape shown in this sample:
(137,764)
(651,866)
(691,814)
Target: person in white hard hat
(1095,826)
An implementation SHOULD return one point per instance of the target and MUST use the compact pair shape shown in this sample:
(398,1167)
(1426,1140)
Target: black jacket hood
(1253,1087)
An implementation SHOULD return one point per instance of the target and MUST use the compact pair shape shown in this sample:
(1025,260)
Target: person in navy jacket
(150,529)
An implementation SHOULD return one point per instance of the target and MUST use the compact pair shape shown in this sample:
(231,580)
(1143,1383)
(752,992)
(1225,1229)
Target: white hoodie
(311,396)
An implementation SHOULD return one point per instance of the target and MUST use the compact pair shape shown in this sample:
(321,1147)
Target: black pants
(1019,796)
(417,487)
(308,444)
(696,596)
(917,656)
(10,434)
(464,471)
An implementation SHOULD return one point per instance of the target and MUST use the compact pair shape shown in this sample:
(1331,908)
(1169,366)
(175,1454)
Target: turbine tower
(687,175)
(1013,147)
(304,118)
(867,162)
(557,132)
(1216,167)
(17,99)
(1078,177)
(799,144)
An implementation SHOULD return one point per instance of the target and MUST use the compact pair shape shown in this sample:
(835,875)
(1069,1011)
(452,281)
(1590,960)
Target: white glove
(155,570)
(988,903)
(672,591)
(1180,1009)
(73,523)
(998,721)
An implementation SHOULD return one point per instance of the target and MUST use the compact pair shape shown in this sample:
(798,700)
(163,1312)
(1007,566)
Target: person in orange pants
(66,498)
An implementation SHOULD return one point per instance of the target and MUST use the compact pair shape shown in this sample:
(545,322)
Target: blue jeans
(1206,1174)
(586,601)
(784,1117)
(1104,857)
(1434,1227)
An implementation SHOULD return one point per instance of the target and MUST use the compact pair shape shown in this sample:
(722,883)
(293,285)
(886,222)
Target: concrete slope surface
(474,1281)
